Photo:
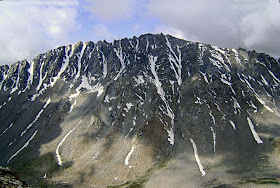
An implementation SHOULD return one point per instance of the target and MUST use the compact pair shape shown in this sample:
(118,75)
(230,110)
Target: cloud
(102,32)
(166,29)
(109,10)
(261,29)
(252,23)
(32,27)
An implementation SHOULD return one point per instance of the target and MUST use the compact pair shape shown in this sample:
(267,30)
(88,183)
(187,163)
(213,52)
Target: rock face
(152,111)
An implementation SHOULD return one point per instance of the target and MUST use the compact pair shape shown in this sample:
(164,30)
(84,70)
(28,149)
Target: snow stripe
(15,85)
(232,124)
(79,61)
(264,80)
(201,168)
(275,78)
(126,161)
(60,162)
(37,117)
(7,129)
(177,61)
(119,54)
(105,69)
(255,134)
(24,146)
(168,111)
(214,138)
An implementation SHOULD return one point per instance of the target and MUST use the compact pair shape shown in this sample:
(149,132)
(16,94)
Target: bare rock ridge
(150,111)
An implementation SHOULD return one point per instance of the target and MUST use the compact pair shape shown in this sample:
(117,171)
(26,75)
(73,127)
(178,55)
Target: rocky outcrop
(10,180)
(147,111)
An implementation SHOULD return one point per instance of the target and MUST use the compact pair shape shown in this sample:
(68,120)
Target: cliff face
(147,111)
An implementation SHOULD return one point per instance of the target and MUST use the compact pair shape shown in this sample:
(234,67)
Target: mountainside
(152,111)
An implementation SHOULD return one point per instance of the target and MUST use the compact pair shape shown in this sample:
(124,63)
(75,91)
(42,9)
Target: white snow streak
(53,79)
(229,84)
(24,146)
(15,85)
(201,168)
(147,44)
(60,162)
(214,138)
(232,124)
(64,65)
(31,74)
(212,116)
(161,93)
(177,61)
(119,54)
(274,77)
(257,96)
(80,61)
(236,56)
(37,117)
(255,134)
(105,69)
(126,161)
(264,80)
(202,49)
(7,129)
(41,78)
(205,77)
(236,106)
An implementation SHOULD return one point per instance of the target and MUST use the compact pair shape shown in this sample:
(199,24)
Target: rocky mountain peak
(142,111)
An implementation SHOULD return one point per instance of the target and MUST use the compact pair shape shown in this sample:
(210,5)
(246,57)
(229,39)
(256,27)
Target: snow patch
(126,161)
(274,77)
(264,80)
(37,117)
(229,84)
(105,66)
(201,168)
(15,84)
(60,162)
(171,137)
(119,54)
(212,116)
(139,79)
(232,124)
(24,146)
(177,61)
(91,89)
(205,77)
(214,138)
(255,134)
(128,106)
(80,62)
(168,111)
(236,106)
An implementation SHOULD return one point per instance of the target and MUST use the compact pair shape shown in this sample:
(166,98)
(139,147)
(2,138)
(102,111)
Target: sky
(31,27)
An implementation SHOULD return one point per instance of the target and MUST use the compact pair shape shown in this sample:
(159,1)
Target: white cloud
(109,10)
(248,23)
(102,32)
(261,29)
(166,29)
(30,28)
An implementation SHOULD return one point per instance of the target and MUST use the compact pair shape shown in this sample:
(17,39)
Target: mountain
(152,111)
